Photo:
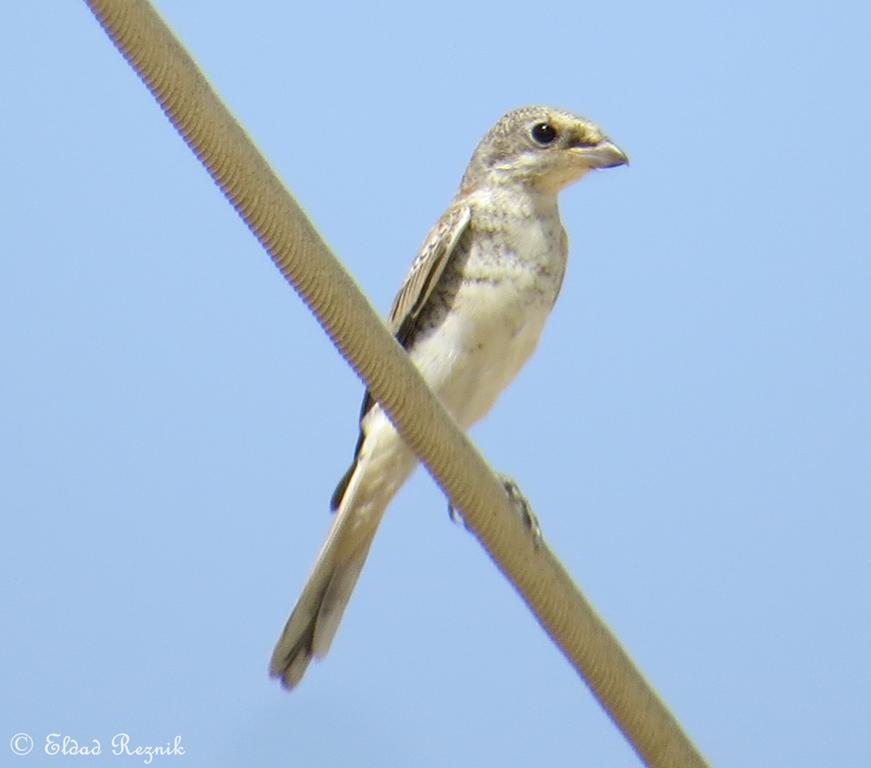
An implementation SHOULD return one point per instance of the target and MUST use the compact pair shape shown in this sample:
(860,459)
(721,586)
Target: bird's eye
(543,133)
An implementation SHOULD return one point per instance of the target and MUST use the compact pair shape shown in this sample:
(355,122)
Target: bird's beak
(604,155)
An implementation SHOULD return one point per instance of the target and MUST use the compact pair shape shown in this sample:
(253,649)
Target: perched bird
(469,314)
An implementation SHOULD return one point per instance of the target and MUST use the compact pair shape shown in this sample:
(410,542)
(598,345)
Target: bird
(469,314)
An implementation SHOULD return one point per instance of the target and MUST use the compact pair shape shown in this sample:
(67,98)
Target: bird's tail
(312,625)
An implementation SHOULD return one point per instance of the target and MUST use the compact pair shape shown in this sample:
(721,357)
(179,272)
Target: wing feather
(422,278)
(427,268)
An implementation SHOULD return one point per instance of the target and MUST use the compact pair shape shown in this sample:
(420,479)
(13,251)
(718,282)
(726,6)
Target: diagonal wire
(361,337)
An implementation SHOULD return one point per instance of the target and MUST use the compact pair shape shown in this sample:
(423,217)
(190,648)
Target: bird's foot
(518,501)
(522,507)
(455,515)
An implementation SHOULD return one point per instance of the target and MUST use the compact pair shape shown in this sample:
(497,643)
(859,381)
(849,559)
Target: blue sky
(694,430)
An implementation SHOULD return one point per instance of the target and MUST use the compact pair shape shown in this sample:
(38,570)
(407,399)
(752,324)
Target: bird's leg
(518,501)
(522,507)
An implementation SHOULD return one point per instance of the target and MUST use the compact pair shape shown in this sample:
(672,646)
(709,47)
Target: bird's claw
(454,514)
(522,507)
(518,501)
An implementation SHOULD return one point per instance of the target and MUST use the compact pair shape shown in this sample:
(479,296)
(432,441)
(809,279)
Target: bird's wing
(426,269)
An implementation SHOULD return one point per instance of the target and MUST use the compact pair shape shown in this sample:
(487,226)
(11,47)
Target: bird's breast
(494,303)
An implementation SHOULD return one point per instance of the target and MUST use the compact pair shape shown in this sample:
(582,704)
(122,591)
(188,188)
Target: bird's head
(543,148)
